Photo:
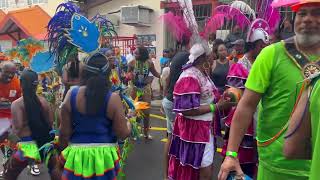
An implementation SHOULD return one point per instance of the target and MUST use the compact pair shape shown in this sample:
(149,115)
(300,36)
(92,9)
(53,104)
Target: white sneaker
(34,170)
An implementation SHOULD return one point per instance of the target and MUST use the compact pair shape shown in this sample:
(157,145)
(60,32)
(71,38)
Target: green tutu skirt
(90,161)
(27,151)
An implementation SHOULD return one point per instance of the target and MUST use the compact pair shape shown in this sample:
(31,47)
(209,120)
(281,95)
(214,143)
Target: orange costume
(9,92)
(231,57)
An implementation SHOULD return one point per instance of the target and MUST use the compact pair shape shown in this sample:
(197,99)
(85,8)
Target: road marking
(158,129)
(164,140)
(158,117)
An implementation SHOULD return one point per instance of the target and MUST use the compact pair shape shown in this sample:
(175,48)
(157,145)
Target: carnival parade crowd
(80,114)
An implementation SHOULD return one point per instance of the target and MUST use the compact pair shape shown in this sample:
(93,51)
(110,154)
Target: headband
(96,70)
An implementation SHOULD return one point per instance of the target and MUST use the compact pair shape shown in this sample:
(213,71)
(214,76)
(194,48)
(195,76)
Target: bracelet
(212,108)
(232,154)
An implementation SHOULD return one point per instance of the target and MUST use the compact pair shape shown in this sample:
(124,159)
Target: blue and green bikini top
(141,73)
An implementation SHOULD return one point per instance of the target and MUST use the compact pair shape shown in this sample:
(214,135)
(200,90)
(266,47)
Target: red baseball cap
(297,6)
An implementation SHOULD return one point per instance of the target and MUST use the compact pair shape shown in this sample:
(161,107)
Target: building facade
(24,18)
(147,27)
(47,5)
(152,34)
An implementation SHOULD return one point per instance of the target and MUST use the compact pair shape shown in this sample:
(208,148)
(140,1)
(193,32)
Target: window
(4,4)
(202,13)
(31,2)
(19,4)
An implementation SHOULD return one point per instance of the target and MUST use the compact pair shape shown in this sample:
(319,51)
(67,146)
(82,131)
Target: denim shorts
(170,115)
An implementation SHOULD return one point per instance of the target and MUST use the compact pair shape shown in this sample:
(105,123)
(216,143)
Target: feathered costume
(177,26)
(261,24)
(241,14)
(31,53)
(25,50)
(70,33)
(192,144)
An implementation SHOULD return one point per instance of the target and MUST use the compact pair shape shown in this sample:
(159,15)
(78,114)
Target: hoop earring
(206,66)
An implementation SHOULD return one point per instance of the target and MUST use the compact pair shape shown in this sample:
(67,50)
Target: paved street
(145,161)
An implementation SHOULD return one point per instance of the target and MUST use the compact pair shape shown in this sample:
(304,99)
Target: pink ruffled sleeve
(237,76)
(187,94)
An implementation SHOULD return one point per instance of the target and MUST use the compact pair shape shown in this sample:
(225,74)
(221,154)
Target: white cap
(196,51)
(259,34)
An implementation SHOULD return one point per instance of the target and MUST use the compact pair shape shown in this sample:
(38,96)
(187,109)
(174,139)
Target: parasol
(280,3)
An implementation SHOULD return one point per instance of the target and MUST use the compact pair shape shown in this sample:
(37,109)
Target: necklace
(301,51)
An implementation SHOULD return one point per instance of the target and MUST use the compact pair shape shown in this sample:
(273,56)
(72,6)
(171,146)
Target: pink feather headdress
(244,16)
(177,26)
(213,24)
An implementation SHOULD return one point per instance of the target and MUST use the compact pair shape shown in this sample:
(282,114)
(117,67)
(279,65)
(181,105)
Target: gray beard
(308,40)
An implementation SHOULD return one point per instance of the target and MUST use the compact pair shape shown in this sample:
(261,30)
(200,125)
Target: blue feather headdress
(106,26)
(70,32)
(59,47)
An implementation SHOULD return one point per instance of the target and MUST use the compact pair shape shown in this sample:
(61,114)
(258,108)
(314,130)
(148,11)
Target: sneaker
(1,175)
(148,137)
(34,170)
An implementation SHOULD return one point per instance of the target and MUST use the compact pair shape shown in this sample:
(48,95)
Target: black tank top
(180,59)
(219,75)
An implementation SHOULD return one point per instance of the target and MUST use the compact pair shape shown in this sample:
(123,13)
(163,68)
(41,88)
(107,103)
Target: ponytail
(96,79)
(37,123)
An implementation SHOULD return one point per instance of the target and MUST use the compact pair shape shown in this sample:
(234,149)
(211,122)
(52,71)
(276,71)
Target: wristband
(232,154)
(212,108)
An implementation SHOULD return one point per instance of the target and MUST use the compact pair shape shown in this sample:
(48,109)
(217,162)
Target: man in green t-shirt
(274,82)
(302,139)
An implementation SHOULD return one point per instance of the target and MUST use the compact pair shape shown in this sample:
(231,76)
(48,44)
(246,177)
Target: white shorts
(208,154)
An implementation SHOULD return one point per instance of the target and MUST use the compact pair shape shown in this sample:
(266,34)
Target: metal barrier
(123,42)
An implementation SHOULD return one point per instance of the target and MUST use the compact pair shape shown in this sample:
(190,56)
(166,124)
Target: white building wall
(156,27)
(51,6)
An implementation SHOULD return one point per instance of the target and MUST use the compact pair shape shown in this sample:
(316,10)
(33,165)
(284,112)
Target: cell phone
(233,176)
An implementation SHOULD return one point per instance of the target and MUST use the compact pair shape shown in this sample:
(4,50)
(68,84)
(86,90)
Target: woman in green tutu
(32,120)
(92,121)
